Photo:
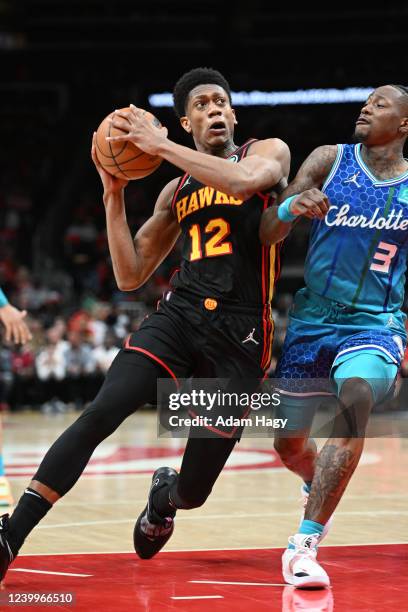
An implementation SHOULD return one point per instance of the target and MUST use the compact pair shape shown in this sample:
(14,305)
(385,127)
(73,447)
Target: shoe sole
(306,582)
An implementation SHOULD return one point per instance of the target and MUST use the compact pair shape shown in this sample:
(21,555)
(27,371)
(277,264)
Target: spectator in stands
(80,370)
(51,370)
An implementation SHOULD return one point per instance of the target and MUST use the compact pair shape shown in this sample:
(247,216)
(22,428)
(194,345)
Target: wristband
(284,213)
(3,299)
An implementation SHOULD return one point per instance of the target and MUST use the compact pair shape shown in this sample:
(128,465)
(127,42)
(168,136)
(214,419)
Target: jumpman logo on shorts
(250,338)
(353,179)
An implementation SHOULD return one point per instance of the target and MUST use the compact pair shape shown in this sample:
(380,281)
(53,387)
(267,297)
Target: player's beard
(356,138)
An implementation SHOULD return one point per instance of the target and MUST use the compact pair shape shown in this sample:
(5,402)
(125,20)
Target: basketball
(123,159)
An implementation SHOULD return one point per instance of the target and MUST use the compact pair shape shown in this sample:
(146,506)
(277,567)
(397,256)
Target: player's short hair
(404,90)
(193,78)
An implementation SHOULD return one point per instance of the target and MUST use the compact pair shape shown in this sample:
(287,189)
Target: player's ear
(404,126)
(235,117)
(185,124)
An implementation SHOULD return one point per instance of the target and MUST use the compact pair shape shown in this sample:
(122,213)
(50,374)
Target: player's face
(209,116)
(382,118)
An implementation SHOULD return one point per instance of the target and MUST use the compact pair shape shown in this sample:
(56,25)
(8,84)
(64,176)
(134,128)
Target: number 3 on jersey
(215,245)
(384,254)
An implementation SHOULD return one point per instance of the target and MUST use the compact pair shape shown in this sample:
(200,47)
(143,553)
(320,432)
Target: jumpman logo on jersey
(188,181)
(353,179)
(390,321)
(250,338)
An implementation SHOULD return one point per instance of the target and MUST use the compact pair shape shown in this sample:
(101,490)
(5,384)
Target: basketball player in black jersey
(219,298)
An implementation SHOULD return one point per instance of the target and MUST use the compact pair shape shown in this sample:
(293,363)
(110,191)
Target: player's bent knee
(288,448)
(356,391)
(98,420)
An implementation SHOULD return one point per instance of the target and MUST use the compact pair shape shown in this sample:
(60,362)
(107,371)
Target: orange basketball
(123,159)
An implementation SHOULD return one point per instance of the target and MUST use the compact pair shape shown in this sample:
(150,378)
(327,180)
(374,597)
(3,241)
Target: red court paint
(367,578)
(116,460)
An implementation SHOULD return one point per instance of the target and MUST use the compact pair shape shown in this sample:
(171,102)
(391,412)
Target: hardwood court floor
(252,510)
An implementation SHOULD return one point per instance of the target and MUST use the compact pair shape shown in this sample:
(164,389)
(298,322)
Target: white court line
(182,550)
(239,583)
(32,571)
(211,517)
(199,597)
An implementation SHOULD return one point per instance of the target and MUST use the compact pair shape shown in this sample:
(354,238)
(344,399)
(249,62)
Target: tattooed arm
(310,202)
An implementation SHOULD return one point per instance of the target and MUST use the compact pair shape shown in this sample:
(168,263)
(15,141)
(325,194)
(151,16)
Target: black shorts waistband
(211,303)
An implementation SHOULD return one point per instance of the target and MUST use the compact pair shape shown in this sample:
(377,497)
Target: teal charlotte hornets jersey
(357,254)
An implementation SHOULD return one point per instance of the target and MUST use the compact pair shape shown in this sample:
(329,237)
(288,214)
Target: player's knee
(356,400)
(356,391)
(289,448)
(97,420)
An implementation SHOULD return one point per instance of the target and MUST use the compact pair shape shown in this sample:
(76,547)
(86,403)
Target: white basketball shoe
(299,564)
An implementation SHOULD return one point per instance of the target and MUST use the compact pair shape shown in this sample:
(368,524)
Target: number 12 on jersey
(215,245)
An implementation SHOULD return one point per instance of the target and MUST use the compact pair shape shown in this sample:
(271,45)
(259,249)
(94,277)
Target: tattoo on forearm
(334,468)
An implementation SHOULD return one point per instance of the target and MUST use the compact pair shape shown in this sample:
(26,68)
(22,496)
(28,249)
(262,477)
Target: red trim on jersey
(265,259)
(172,275)
(179,186)
(266,285)
(151,356)
(245,147)
(266,323)
(278,248)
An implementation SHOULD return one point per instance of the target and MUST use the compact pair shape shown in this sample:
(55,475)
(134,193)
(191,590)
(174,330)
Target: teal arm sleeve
(3,299)
(284,213)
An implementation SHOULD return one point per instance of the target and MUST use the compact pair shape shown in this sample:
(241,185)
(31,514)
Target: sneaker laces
(307,546)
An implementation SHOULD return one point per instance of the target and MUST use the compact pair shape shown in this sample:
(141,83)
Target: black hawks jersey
(222,256)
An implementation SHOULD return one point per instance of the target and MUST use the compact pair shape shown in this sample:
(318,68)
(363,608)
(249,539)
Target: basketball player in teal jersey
(346,324)
(220,296)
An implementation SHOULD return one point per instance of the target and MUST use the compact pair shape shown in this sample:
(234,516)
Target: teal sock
(308,528)
(307,486)
(1,466)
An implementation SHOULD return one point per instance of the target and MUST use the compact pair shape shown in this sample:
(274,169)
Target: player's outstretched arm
(302,197)
(264,168)
(13,321)
(135,260)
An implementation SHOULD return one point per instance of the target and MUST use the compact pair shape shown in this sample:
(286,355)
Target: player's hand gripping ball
(124,159)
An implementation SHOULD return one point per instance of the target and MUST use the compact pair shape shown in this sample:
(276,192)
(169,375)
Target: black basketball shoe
(152,531)
(6,556)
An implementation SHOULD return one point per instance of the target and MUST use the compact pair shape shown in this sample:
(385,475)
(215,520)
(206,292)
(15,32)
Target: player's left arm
(266,165)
